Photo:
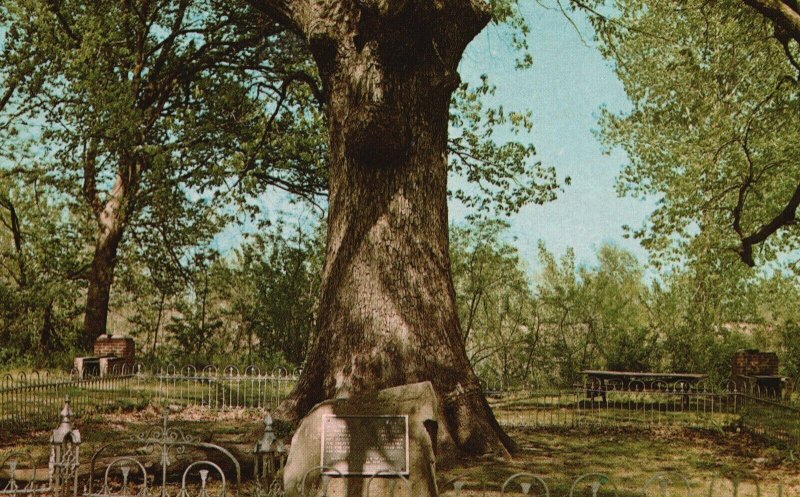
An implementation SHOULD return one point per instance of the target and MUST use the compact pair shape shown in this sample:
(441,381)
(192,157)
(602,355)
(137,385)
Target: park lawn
(629,456)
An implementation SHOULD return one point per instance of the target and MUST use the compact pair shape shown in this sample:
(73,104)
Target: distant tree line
(522,324)
(542,325)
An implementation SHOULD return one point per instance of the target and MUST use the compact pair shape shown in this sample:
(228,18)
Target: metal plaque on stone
(365,445)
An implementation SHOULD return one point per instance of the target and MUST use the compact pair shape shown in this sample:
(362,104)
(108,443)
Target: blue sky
(566,88)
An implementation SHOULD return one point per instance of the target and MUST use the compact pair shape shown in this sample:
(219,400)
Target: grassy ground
(631,456)
(628,456)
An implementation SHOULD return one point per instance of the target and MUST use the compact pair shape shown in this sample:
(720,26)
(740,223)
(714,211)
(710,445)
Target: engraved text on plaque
(365,445)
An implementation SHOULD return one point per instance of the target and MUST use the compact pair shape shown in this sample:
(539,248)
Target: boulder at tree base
(427,434)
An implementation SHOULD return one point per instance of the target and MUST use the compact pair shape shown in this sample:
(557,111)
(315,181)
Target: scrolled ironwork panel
(526,483)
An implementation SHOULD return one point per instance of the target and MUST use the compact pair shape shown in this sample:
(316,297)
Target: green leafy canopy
(712,130)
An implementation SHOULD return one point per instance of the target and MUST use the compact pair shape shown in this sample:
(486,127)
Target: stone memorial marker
(376,445)
(365,445)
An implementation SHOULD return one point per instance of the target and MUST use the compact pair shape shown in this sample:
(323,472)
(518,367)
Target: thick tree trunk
(16,233)
(387,313)
(47,332)
(158,323)
(111,220)
(101,277)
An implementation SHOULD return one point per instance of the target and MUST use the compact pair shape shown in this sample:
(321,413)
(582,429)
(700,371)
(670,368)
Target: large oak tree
(387,314)
(125,81)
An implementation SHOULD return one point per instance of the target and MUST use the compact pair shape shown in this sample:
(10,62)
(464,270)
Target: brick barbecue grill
(752,368)
(112,355)
(121,347)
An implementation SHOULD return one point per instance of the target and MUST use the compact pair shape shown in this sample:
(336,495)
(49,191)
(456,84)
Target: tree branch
(786,217)
(90,180)
(784,41)
(309,80)
(62,21)
(283,12)
(16,233)
(7,95)
(166,45)
(782,15)
(604,18)
(742,195)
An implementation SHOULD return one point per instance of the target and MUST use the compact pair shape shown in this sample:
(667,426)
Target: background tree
(40,268)
(697,315)
(594,316)
(148,110)
(498,313)
(714,98)
(388,70)
(569,347)
(271,290)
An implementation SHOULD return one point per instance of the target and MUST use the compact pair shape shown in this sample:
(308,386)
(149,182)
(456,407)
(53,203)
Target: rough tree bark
(101,277)
(387,314)
(784,15)
(47,331)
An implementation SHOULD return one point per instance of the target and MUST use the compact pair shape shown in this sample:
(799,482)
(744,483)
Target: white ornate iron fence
(664,484)
(698,405)
(28,400)
(160,461)
(319,482)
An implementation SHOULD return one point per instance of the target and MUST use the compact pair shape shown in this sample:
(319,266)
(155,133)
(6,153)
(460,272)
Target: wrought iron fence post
(65,444)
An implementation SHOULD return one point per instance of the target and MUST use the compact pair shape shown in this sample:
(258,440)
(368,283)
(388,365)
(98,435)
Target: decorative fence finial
(64,432)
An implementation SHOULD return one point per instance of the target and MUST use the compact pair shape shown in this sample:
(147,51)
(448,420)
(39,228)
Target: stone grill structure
(112,354)
(751,362)
(753,369)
